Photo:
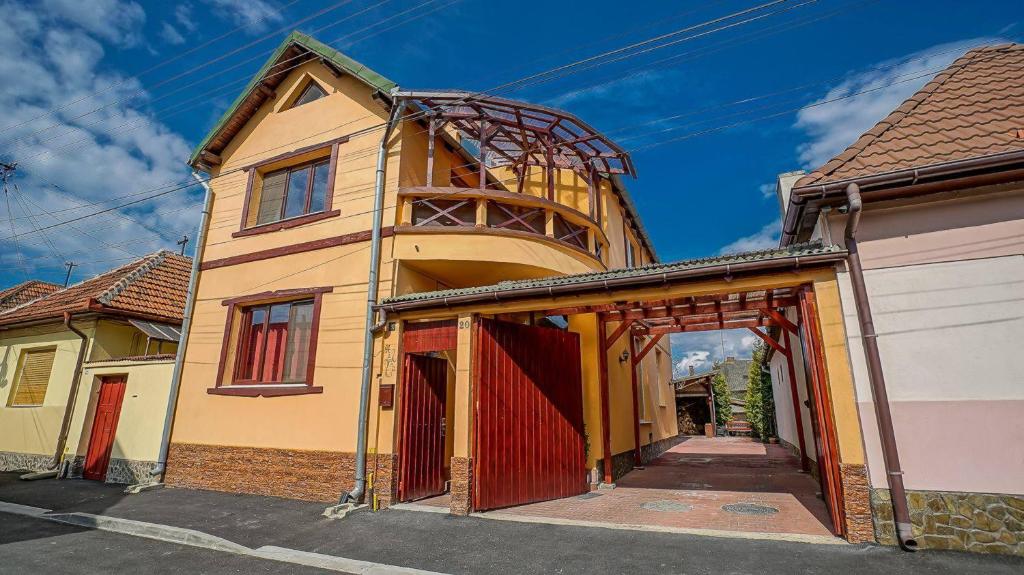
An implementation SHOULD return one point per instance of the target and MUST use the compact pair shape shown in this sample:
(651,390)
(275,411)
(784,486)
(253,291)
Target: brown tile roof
(973,108)
(25,292)
(153,287)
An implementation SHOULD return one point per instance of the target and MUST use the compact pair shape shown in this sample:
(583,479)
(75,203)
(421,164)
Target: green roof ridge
(357,69)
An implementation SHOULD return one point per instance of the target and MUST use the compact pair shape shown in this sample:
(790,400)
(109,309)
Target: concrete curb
(194,538)
(419,507)
(18,509)
(168,533)
(788,537)
(353,566)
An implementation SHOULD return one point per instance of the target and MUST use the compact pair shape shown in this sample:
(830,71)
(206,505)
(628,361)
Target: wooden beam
(781,320)
(623,327)
(710,326)
(210,158)
(797,413)
(647,349)
(770,341)
(692,308)
(431,139)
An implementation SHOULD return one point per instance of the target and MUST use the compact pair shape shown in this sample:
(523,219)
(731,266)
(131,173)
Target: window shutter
(271,197)
(35,376)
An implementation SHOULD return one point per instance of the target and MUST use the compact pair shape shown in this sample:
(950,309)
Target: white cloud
(183,15)
(171,35)
(694,359)
(66,161)
(116,21)
(768,190)
(832,127)
(765,238)
(255,14)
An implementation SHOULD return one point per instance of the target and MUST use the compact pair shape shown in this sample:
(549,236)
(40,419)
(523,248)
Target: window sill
(285,224)
(264,390)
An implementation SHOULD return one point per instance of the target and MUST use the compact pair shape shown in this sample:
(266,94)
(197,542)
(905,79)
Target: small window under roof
(159,331)
(313,91)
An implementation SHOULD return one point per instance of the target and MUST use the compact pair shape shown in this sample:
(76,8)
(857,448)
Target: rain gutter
(631,281)
(372,326)
(186,324)
(876,378)
(950,176)
(76,381)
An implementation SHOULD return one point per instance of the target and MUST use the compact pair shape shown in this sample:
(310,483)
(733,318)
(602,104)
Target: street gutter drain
(749,509)
(666,506)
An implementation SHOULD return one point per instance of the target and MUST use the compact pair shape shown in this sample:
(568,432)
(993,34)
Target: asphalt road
(35,546)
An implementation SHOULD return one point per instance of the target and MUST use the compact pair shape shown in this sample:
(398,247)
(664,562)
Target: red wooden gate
(104,427)
(421,454)
(528,440)
(825,436)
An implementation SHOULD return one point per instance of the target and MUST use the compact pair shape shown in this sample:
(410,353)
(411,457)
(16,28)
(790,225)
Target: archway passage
(528,428)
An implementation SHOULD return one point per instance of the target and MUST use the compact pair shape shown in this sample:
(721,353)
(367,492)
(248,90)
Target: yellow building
(277,395)
(85,372)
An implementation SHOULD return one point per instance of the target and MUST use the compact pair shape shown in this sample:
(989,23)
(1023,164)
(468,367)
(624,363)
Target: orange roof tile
(153,286)
(25,292)
(971,109)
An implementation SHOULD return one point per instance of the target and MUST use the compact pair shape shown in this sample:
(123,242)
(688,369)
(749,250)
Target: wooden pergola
(647,322)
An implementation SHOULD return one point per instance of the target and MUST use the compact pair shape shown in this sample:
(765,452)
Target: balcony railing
(425,209)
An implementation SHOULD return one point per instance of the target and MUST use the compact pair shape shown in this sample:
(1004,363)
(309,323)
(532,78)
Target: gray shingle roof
(655,270)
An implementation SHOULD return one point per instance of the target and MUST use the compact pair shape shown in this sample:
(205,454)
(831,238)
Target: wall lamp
(624,356)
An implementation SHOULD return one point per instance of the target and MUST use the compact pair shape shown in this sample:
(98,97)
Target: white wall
(951,339)
(782,394)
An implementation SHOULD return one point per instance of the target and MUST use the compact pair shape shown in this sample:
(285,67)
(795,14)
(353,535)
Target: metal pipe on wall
(876,378)
(371,328)
(76,381)
(186,325)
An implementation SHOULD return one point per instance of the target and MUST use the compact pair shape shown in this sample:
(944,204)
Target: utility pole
(70,266)
(183,242)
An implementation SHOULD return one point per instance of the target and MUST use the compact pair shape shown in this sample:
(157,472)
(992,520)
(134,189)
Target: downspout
(890,454)
(186,324)
(371,327)
(76,381)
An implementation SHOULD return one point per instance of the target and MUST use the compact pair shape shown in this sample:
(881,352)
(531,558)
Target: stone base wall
(123,471)
(290,473)
(462,486)
(856,503)
(978,522)
(13,461)
(623,463)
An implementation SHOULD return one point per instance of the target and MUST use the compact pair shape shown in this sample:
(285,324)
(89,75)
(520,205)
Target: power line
(509,85)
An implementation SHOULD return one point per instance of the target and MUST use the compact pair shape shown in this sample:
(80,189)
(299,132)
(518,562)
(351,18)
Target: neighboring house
(114,336)
(24,293)
(737,378)
(941,245)
(271,391)
(693,401)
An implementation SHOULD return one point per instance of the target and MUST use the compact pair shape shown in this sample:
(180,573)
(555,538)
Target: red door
(104,427)
(528,441)
(421,455)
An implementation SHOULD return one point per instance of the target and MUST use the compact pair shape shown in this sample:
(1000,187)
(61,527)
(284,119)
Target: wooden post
(606,432)
(431,136)
(483,154)
(637,459)
(805,462)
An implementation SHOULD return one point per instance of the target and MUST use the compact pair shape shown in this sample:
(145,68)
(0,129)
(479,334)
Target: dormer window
(312,91)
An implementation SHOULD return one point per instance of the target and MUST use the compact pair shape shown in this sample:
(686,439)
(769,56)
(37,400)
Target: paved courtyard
(720,484)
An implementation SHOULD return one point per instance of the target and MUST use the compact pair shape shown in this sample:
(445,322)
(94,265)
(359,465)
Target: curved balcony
(527,235)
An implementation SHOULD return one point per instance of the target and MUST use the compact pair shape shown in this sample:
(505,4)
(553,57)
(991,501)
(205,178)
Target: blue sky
(711,119)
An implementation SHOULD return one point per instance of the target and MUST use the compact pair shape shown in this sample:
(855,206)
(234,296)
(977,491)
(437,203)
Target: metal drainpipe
(890,454)
(76,381)
(359,489)
(186,324)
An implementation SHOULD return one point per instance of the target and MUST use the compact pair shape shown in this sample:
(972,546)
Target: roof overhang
(726,267)
(297,48)
(805,202)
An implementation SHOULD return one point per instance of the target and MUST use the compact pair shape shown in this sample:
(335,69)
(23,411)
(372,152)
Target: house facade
(931,201)
(315,158)
(85,372)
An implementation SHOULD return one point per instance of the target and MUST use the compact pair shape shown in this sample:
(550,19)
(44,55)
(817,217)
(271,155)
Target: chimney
(784,185)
